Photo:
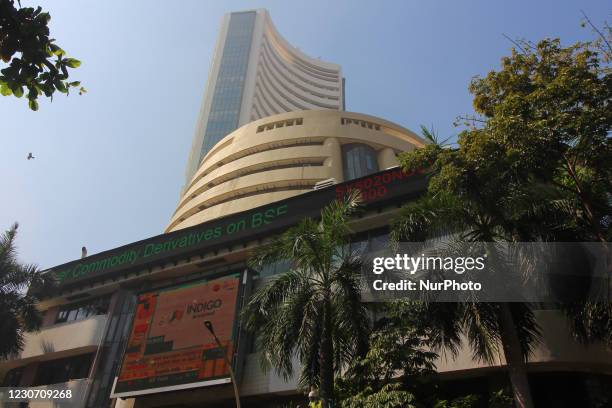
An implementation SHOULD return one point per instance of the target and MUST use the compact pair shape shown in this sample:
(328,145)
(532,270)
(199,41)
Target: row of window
(267,47)
(53,372)
(362,123)
(262,87)
(307,68)
(83,310)
(305,162)
(285,82)
(266,190)
(63,370)
(280,124)
(358,160)
(270,76)
(273,61)
(242,154)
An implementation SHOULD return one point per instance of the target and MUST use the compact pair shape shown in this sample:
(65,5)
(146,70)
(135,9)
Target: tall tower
(256,73)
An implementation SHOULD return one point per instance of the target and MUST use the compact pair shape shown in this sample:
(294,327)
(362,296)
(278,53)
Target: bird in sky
(30,156)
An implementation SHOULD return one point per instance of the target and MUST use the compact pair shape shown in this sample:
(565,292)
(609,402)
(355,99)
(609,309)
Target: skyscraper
(256,73)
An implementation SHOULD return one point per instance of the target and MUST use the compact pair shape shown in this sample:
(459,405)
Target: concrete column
(334,161)
(387,158)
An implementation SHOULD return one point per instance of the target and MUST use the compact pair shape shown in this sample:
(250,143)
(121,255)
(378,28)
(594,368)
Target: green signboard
(239,227)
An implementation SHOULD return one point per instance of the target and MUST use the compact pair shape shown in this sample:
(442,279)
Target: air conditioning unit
(325,183)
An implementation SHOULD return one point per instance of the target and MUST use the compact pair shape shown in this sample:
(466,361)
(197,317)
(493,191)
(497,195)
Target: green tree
(18,285)
(549,112)
(398,370)
(471,216)
(314,310)
(547,115)
(534,164)
(36,65)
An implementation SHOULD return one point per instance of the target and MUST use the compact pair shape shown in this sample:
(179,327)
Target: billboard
(169,347)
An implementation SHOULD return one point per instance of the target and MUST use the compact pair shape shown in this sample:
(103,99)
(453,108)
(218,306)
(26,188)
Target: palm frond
(429,217)
(432,136)
(481,322)
(271,296)
(19,295)
(527,327)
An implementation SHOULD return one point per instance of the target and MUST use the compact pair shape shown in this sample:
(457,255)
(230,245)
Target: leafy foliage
(36,65)
(467,401)
(397,369)
(314,310)
(18,312)
(534,164)
(390,395)
(497,399)
(500,399)
(544,124)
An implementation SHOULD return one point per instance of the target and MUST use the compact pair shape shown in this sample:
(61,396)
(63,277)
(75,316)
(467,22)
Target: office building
(125,328)
(273,146)
(284,155)
(256,73)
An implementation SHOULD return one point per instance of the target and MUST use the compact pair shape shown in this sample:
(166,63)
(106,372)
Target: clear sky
(109,165)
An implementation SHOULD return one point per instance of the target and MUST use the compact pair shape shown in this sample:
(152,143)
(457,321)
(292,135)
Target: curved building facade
(256,73)
(284,155)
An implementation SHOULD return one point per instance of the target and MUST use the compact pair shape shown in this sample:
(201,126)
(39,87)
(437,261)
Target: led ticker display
(260,221)
(170,348)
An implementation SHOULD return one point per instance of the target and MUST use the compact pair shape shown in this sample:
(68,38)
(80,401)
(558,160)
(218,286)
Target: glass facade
(227,96)
(112,347)
(359,160)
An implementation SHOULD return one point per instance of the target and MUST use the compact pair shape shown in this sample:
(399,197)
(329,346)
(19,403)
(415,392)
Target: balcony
(64,339)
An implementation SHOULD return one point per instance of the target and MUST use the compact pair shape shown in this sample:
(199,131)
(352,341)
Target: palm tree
(485,325)
(19,285)
(314,310)
(461,205)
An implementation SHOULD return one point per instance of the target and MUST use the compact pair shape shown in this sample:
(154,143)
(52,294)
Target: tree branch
(601,35)
(524,51)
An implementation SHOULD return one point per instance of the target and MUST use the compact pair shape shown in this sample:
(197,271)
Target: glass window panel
(72,315)
(359,160)
(63,370)
(227,96)
(83,310)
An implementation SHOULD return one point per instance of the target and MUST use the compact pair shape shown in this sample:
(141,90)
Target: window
(359,160)
(275,268)
(282,123)
(83,310)
(227,95)
(63,370)
(362,123)
(13,377)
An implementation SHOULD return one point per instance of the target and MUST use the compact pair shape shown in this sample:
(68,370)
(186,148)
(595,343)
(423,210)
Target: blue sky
(109,165)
